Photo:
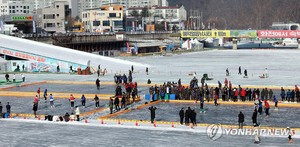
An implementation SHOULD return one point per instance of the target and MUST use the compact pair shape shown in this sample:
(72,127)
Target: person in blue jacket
(288,95)
(276,102)
(83,100)
(259,107)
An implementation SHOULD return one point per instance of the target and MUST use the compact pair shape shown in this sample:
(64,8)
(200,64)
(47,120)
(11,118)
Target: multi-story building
(168,13)
(108,18)
(54,17)
(15,8)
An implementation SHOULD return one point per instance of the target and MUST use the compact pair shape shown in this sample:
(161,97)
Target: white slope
(65,54)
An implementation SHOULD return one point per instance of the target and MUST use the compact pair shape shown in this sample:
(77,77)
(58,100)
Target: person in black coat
(254,118)
(241,120)
(181,115)
(8,108)
(98,83)
(117,107)
(1,115)
(152,112)
(193,117)
(35,107)
(187,116)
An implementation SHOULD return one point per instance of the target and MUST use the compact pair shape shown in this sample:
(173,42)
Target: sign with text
(21,18)
(278,33)
(205,33)
(22,55)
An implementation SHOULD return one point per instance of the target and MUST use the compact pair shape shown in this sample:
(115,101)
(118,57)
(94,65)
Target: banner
(205,33)
(243,33)
(278,33)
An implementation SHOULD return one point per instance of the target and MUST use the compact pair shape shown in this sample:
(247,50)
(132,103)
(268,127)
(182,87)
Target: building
(54,17)
(109,18)
(285,26)
(172,15)
(15,8)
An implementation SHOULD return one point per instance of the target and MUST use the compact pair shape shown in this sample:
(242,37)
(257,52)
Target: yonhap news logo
(215,131)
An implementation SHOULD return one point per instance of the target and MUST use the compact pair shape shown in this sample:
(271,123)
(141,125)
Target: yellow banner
(205,33)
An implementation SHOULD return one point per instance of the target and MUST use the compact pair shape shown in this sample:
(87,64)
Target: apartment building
(109,18)
(54,17)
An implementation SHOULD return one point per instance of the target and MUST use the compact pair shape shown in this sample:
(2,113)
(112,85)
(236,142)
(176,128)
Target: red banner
(278,33)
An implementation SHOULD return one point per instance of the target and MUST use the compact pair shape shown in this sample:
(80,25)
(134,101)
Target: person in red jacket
(39,92)
(72,100)
(36,101)
(243,94)
(267,106)
(236,94)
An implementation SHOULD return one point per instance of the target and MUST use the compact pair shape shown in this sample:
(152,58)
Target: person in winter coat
(276,102)
(282,94)
(193,117)
(117,102)
(51,99)
(36,100)
(267,106)
(39,92)
(1,107)
(241,120)
(35,107)
(187,116)
(181,115)
(288,95)
(254,118)
(83,100)
(98,83)
(7,77)
(152,113)
(67,117)
(245,73)
(111,105)
(259,107)
(72,101)
(77,112)
(123,101)
(45,95)
(8,107)
(270,94)
(96,99)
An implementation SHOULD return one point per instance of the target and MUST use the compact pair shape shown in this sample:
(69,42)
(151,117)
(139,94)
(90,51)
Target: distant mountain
(244,14)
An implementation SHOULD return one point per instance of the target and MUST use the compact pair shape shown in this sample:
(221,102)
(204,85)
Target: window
(9,7)
(13,11)
(58,24)
(13,7)
(49,25)
(27,7)
(106,23)
(57,6)
(118,24)
(112,15)
(57,15)
(96,23)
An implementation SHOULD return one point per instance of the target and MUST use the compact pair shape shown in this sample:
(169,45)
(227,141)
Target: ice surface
(282,66)
(24,105)
(223,114)
(26,133)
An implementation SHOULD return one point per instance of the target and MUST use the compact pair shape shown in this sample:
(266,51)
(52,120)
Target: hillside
(244,14)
